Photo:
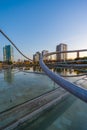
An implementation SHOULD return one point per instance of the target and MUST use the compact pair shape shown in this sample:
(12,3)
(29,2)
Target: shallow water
(17,87)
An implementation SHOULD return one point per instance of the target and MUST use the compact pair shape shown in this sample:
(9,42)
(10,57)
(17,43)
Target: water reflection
(69,71)
(37,68)
(63,71)
(8,75)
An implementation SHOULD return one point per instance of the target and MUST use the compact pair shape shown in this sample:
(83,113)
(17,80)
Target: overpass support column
(77,54)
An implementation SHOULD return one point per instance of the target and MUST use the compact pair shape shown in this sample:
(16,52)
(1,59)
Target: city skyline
(37,25)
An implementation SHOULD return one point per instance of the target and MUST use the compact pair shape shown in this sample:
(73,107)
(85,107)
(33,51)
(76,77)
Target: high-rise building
(8,53)
(36,57)
(44,52)
(61,56)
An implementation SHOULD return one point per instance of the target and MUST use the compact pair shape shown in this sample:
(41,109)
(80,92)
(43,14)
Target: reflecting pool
(17,86)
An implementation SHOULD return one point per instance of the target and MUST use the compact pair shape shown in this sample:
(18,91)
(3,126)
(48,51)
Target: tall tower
(43,53)
(61,56)
(8,53)
(36,56)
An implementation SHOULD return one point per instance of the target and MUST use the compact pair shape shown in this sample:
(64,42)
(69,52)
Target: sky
(36,25)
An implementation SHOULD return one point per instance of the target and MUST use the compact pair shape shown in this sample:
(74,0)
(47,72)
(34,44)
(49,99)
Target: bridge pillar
(77,54)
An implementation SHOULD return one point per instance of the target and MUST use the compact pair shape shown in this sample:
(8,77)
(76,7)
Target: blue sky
(36,25)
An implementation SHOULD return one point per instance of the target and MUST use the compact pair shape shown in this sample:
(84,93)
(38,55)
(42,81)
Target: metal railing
(14,45)
(71,87)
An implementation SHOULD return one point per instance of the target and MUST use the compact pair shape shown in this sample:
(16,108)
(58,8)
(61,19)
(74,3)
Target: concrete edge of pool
(32,109)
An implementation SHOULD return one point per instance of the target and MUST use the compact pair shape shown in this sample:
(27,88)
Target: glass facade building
(8,53)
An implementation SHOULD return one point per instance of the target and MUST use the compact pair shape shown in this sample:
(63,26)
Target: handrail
(70,51)
(72,88)
(14,45)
